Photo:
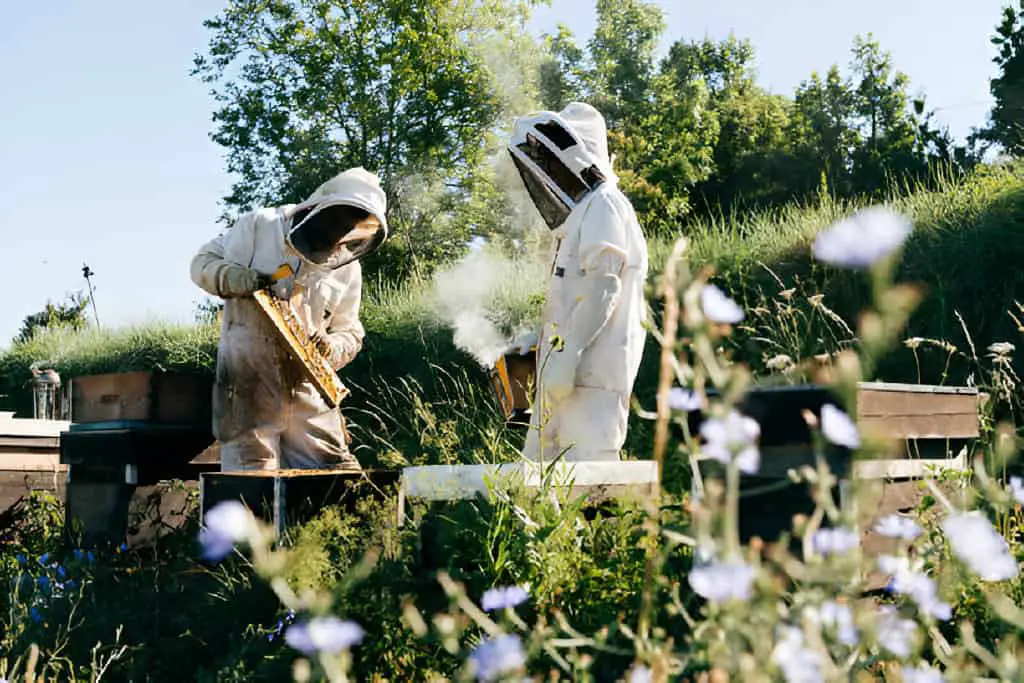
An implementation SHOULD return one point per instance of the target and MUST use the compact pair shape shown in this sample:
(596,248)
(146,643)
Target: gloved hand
(238,281)
(558,376)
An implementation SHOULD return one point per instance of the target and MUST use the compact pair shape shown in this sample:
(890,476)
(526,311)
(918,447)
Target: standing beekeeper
(266,415)
(593,330)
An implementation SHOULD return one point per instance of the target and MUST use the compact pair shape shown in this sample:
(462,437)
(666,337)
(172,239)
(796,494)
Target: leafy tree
(307,88)
(1005,127)
(563,72)
(70,315)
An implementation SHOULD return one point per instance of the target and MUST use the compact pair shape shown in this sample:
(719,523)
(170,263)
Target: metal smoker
(46,403)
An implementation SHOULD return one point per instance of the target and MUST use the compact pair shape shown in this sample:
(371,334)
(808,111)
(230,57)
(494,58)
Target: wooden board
(317,369)
(161,397)
(913,411)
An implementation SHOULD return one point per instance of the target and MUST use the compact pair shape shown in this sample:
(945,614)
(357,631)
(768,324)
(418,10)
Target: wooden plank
(49,442)
(920,427)
(28,462)
(23,427)
(163,397)
(907,468)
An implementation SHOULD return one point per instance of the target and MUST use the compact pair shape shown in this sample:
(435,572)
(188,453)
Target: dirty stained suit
(266,414)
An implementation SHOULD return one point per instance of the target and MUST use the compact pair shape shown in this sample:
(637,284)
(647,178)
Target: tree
(1005,127)
(307,88)
(68,315)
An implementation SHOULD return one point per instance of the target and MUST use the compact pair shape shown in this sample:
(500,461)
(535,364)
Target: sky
(106,160)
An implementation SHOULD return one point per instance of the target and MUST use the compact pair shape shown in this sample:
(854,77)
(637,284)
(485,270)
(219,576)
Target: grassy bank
(966,251)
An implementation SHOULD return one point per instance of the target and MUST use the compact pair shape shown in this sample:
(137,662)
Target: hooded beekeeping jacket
(266,414)
(595,307)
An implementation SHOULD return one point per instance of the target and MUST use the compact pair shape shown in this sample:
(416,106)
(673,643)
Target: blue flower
(44,558)
(226,524)
(89,557)
(21,559)
(71,584)
(79,554)
(60,572)
(123,547)
(35,614)
(323,634)
(503,598)
(496,657)
(44,582)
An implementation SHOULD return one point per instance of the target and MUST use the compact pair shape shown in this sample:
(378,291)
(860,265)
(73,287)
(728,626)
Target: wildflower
(722,581)
(36,615)
(640,674)
(684,400)
(21,559)
(61,573)
(920,674)
(496,657)
(913,342)
(779,362)
(89,557)
(79,555)
(838,541)
(918,587)
(979,546)
(895,634)
(1001,348)
(718,307)
(503,598)
(863,239)
(44,583)
(838,428)
(122,548)
(839,618)
(798,663)
(1017,489)
(897,526)
(323,634)
(44,558)
(227,523)
(733,437)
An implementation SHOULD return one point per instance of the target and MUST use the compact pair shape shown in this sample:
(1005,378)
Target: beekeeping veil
(345,220)
(561,157)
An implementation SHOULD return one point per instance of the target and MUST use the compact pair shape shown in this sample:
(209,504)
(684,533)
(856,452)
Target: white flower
(838,541)
(979,546)
(722,581)
(920,674)
(838,427)
(1001,348)
(779,362)
(718,307)
(684,400)
(863,239)
(732,437)
(640,674)
(895,633)
(496,657)
(1017,489)
(898,526)
(323,634)
(798,663)
(225,524)
(503,598)
(839,618)
(915,585)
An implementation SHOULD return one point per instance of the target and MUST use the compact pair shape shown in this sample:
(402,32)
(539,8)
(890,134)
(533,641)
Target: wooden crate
(285,497)
(160,397)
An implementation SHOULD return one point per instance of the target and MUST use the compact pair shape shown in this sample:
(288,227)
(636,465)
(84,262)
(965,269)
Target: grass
(966,250)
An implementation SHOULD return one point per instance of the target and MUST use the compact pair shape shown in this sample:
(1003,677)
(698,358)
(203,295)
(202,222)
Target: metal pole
(92,296)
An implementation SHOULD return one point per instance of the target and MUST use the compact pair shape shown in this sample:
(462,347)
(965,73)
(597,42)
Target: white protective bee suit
(595,300)
(266,415)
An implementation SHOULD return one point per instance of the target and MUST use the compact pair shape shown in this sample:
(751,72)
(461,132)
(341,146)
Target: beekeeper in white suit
(266,415)
(593,330)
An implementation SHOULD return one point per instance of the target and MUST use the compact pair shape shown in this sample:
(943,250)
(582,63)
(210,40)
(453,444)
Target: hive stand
(29,458)
(282,498)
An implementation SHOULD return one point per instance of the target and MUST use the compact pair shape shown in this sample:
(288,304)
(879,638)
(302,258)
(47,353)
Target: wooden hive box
(162,397)
(285,497)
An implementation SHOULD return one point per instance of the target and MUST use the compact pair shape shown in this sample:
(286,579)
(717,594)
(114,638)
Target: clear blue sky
(105,156)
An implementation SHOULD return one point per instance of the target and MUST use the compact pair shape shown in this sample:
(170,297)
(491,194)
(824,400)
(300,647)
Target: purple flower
(496,657)
(918,587)
(837,541)
(839,618)
(897,526)
(718,307)
(640,674)
(226,524)
(838,428)
(799,664)
(722,581)
(323,634)
(503,598)
(732,437)
(920,674)
(980,546)
(863,239)
(895,634)
(1017,489)
(684,400)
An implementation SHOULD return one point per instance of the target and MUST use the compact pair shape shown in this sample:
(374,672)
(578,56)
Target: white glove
(558,376)
(239,281)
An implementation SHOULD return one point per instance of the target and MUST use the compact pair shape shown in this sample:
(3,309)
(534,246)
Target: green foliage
(1004,125)
(68,315)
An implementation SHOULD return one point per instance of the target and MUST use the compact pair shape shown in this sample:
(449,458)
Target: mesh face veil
(334,236)
(556,169)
